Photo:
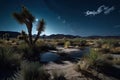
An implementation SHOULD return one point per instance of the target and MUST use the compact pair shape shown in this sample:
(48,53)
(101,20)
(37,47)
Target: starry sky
(75,17)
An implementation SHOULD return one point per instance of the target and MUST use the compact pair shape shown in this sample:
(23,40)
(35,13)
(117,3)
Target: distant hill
(11,33)
(106,37)
(60,36)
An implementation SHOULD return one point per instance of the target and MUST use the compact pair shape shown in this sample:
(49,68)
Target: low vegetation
(33,71)
(20,57)
(9,63)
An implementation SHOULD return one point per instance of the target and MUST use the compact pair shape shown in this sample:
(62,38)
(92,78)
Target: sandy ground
(67,68)
(67,50)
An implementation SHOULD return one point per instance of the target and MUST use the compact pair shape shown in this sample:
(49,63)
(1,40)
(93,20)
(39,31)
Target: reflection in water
(77,55)
(49,56)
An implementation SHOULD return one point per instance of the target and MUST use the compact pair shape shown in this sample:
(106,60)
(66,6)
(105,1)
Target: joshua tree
(25,17)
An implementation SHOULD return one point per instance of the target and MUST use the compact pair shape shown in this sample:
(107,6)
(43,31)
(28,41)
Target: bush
(93,56)
(83,43)
(67,44)
(9,63)
(1,42)
(58,75)
(30,54)
(33,71)
(33,53)
(87,61)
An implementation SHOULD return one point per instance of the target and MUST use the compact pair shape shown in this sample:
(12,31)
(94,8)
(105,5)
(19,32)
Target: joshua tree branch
(36,38)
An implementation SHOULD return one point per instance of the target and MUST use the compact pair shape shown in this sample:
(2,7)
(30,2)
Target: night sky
(75,17)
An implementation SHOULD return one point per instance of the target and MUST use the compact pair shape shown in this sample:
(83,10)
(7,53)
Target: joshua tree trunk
(36,38)
(29,27)
(30,36)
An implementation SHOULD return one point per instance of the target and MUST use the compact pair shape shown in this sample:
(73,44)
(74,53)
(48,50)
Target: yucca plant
(25,17)
(33,71)
(9,63)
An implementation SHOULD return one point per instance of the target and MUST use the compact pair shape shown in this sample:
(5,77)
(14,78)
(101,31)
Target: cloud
(103,8)
(109,10)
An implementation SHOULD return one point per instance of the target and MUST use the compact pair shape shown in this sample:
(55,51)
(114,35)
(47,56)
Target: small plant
(87,61)
(58,75)
(9,63)
(93,56)
(83,42)
(1,41)
(67,44)
(82,65)
(98,44)
(33,71)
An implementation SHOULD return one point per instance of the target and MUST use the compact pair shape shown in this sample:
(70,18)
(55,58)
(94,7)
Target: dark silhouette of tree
(25,17)
(40,28)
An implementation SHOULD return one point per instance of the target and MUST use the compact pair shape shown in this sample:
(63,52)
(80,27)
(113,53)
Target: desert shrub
(83,64)
(98,44)
(98,61)
(111,43)
(93,56)
(33,54)
(22,46)
(9,63)
(30,54)
(117,62)
(27,52)
(33,71)
(109,57)
(44,46)
(58,75)
(88,60)
(67,44)
(83,42)
(1,41)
